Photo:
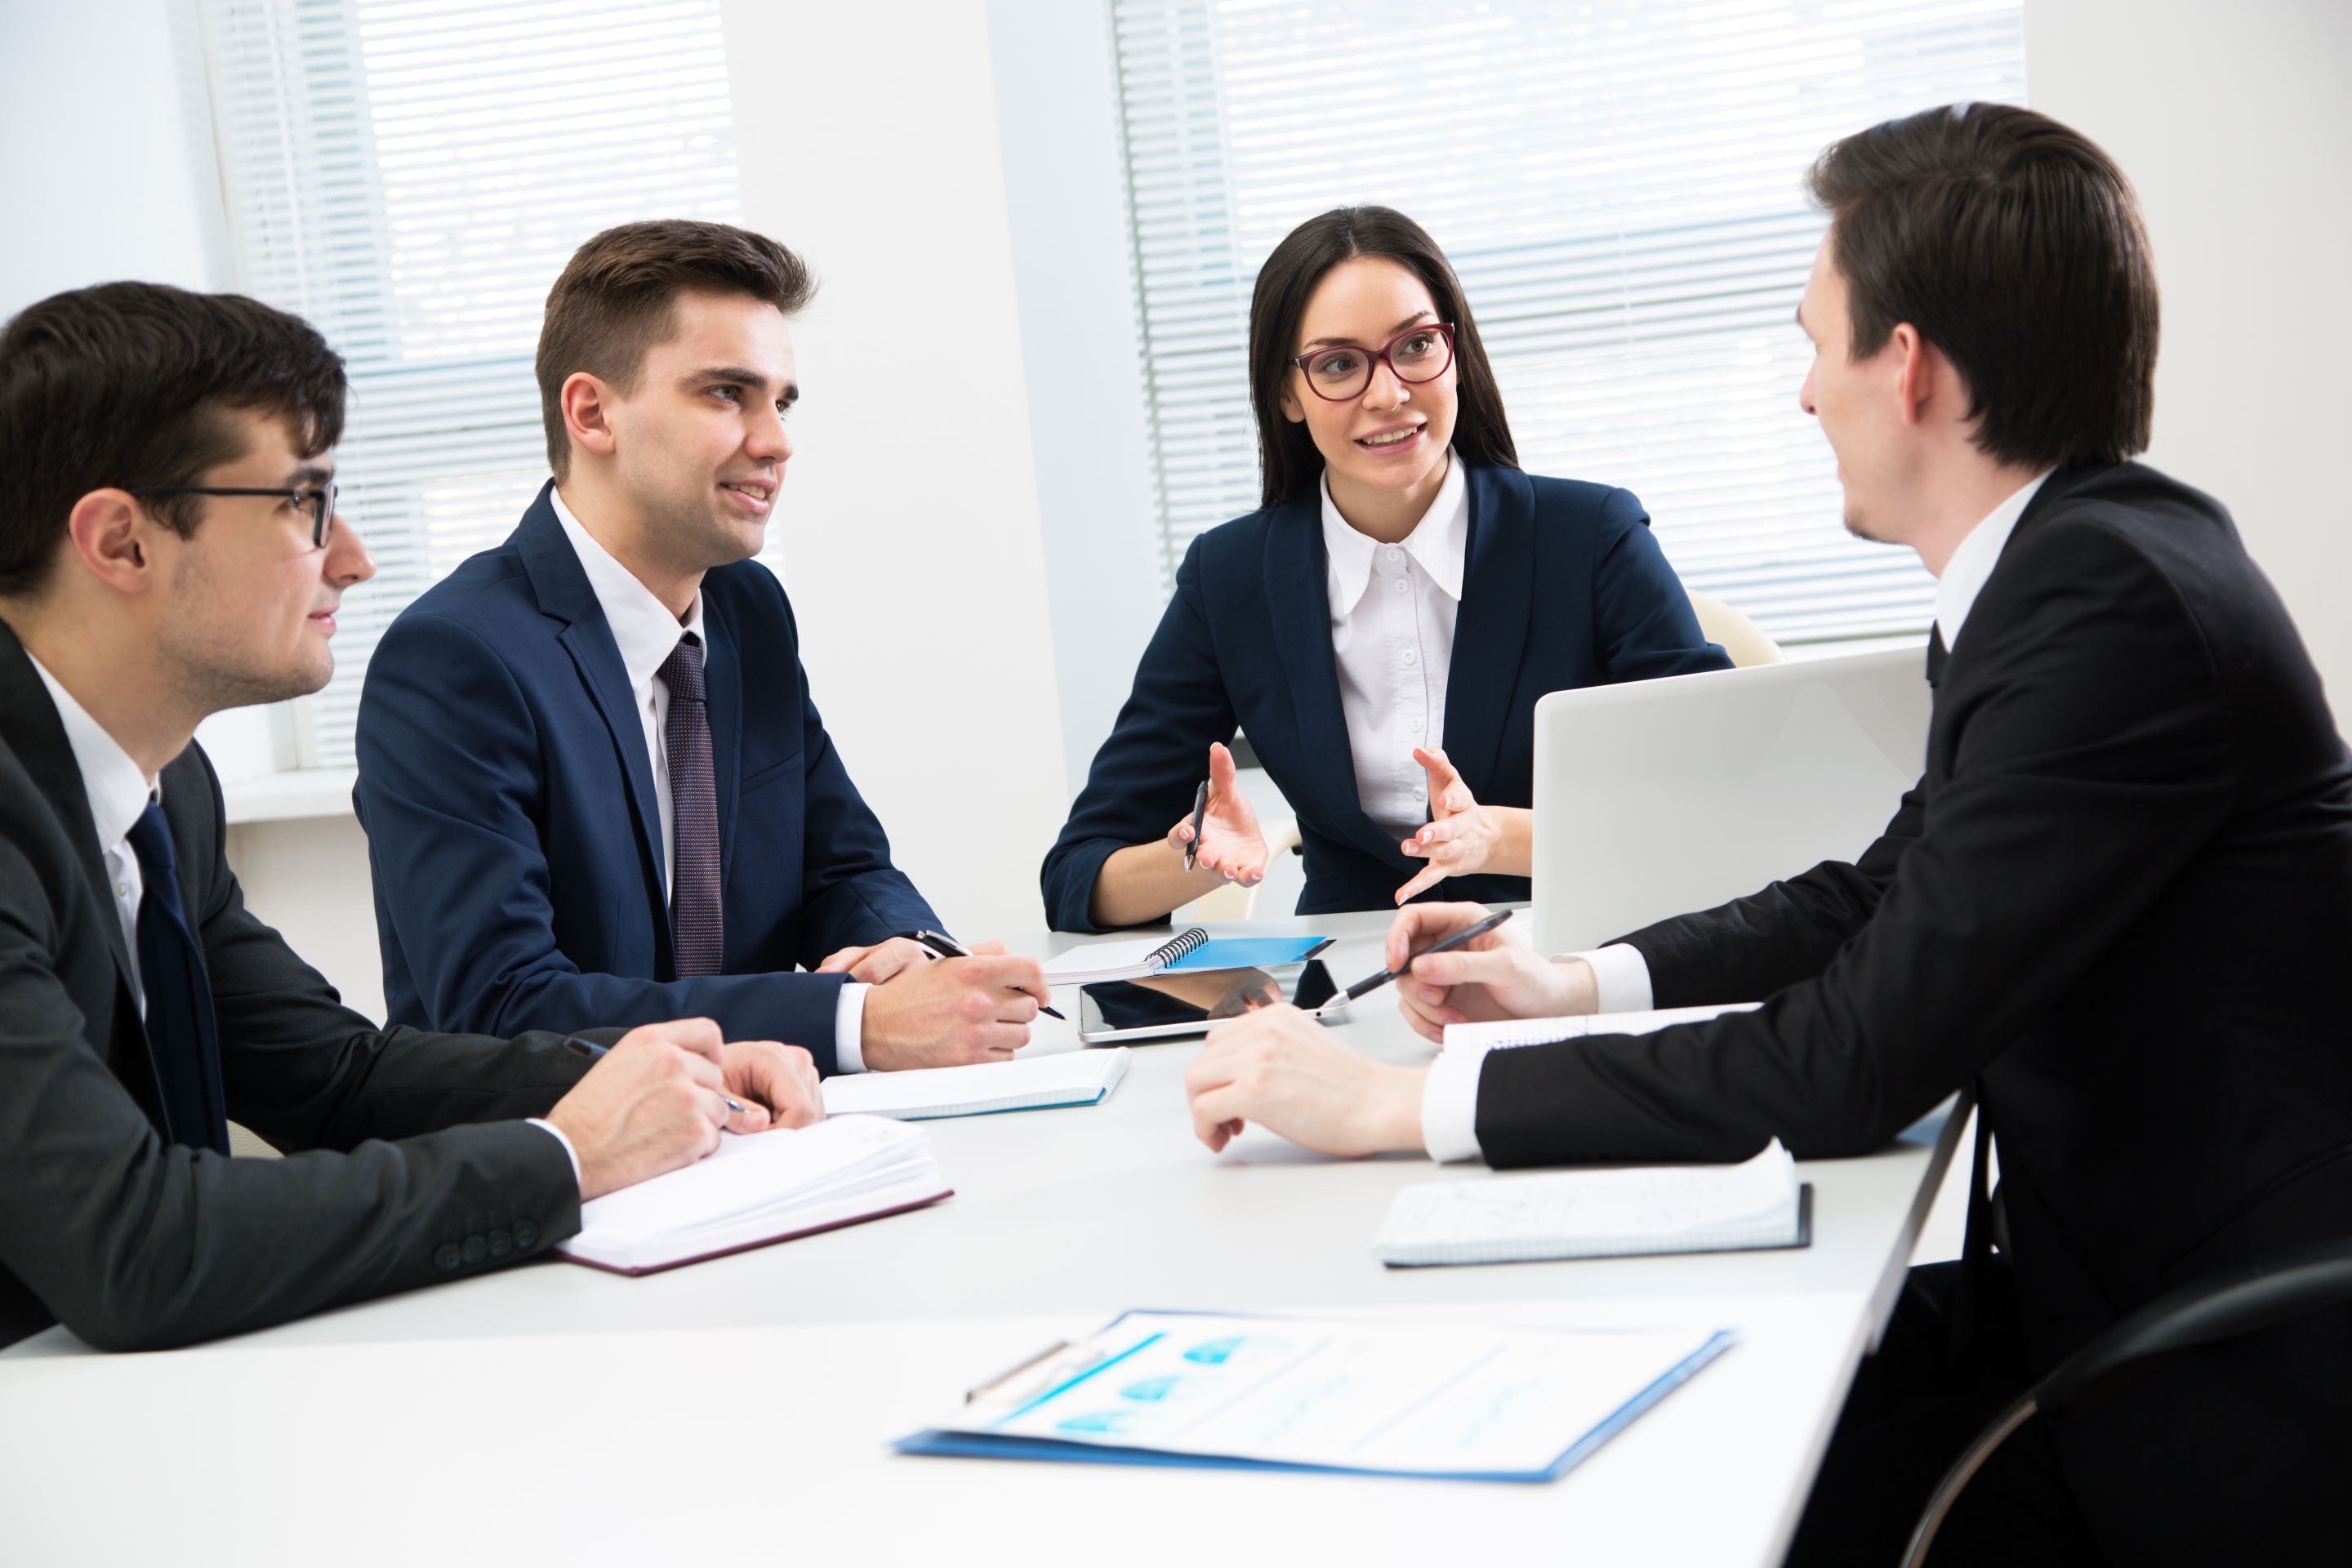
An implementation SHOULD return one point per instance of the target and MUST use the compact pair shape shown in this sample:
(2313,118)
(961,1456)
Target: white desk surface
(746,1404)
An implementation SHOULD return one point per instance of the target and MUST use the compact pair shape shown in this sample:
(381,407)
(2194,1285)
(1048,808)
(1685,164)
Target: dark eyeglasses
(1414,356)
(319,503)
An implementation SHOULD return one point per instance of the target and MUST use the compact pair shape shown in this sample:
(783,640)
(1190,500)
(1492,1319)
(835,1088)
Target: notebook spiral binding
(1177,946)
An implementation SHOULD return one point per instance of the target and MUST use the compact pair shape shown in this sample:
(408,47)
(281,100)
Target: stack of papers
(762,1188)
(1183,1388)
(1028,1083)
(1600,1213)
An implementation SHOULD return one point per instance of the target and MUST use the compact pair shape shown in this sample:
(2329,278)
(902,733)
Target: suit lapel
(1490,630)
(1299,596)
(722,696)
(37,736)
(561,586)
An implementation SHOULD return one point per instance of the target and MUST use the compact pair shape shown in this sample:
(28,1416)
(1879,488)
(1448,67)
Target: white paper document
(1599,1213)
(764,1187)
(1023,1083)
(1472,1403)
(1505,1033)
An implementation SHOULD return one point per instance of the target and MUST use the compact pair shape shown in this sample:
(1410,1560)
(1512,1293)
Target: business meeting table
(742,1410)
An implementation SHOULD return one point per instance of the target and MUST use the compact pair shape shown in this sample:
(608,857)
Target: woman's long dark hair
(1286,455)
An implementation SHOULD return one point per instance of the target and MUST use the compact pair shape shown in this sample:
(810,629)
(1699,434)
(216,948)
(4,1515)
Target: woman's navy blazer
(1562,586)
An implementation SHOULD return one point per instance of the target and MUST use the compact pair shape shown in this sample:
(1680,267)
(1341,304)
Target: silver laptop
(1656,797)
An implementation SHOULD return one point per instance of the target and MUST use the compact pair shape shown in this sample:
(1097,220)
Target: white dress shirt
(1449,1097)
(647,634)
(119,795)
(1394,607)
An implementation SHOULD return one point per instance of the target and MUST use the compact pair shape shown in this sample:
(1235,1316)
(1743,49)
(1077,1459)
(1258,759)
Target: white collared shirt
(1393,608)
(646,633)
(1449,1097)
(119,795)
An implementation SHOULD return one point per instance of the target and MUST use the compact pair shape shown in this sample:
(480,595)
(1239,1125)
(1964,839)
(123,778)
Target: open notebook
(1600,1213)
(1027,1083)
(1189,950)
(767,1187)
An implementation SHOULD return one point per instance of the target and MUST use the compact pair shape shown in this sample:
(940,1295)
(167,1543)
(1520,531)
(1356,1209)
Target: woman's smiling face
(1393,434)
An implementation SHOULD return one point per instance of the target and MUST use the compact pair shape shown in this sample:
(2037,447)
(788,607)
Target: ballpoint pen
(1200,811)
(948,947)
(590,1049)
(1444,944)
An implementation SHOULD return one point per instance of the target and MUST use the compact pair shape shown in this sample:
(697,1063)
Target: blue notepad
(1286,1394)
(1249,952)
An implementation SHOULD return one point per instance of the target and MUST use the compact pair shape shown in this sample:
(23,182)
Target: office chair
(2223,1305)
(1742,640)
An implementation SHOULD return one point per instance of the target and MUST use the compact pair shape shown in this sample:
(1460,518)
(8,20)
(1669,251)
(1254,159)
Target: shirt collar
(118,791)
(642,625)
(1966,573)
(1438,543)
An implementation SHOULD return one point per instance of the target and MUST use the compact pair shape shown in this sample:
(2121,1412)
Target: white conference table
(746,1404)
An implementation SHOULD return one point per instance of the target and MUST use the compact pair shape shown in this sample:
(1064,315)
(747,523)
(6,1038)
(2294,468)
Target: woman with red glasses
(1383,626)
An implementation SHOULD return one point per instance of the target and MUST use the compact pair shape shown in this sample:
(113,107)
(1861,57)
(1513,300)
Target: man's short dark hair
(135,384)
(618,295)
(2015,246)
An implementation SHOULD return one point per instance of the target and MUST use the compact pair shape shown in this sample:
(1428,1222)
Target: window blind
(1617,183)
(411,176)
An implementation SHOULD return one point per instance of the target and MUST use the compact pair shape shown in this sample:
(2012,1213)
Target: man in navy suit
(595,787)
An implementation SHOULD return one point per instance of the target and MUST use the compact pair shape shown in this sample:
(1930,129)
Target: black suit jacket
(135,1242)
(2119,901)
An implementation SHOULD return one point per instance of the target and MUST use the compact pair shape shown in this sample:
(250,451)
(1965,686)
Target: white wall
(868,140)
(2235,124)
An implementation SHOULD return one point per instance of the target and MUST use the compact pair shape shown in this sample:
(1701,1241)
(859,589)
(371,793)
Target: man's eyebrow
(310,474)
(736,376)
(1350,342)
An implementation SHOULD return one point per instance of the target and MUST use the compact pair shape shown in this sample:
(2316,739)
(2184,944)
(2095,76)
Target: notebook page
(1066,1078)
(1579,1213)
(1115,960)
(749,1175)
(1505,1033)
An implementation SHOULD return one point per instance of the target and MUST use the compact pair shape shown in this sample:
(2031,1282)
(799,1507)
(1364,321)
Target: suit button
(445,1257)
(526,1235)
(477,1249)
(501,1243)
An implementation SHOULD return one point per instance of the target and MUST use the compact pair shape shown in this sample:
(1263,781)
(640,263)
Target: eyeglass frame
(320,500)
(1383,354)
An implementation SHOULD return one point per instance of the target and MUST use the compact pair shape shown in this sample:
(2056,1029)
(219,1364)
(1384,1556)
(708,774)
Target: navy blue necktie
(180,1023)
(697,930)
(1937,655)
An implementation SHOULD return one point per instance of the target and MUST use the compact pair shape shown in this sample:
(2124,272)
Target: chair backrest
(1737,636)
(1656,797)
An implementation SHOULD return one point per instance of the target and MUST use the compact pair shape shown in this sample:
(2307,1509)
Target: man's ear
(586,404)
(112,537)
(1915,371)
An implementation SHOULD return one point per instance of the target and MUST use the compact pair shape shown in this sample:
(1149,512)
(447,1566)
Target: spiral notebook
(1188,951)
(1600,1213)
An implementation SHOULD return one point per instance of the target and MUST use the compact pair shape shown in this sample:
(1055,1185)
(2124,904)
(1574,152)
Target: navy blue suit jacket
(511,822)
(1562,586)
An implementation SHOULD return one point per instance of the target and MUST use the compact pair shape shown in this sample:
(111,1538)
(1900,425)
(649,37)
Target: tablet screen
(1169,1005)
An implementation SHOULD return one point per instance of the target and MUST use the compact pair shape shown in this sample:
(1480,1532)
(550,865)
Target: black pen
(948,947)
(591,1049)
(1200,811)
(1444,944)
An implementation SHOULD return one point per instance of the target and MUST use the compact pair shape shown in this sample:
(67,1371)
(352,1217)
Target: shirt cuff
(1449,1106)
(569,1151)
(849,1028)
(1620,978)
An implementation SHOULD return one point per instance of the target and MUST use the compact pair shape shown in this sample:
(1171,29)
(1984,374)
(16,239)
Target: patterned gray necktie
(698,932)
